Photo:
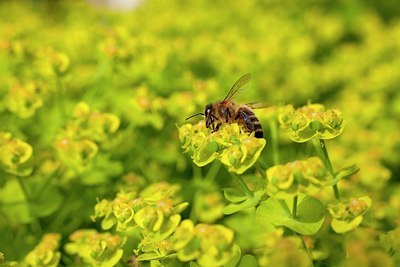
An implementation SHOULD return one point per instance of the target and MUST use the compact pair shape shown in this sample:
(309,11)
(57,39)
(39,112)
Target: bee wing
(236,87)
(257,105)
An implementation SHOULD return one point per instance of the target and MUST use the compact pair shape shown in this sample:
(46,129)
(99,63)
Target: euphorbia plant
(285,195)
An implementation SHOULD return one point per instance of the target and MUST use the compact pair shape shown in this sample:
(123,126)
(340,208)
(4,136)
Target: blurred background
(152,63)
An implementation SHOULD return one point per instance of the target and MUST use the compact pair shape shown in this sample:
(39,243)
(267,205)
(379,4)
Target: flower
(230,145)
(311,121)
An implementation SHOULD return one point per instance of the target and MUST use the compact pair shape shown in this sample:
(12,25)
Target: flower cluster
(306,176)
(311,121)
(209,245)
(278,250)
(86,123)
(155,211)
(46,253)
(230,145)
(78,145)
(15,155)
(24,99)
(96,249)
(349,214)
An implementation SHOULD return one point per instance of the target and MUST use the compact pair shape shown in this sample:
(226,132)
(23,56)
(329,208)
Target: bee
(227,111)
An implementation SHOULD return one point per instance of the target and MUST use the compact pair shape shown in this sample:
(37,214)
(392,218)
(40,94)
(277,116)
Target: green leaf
(341,227)
(149,256)
(234,194)
(113,260)
(235,257)
(48,201)
(347,171)
(15,205)
(248,203)
(206,154)
(309,219)
(248,261)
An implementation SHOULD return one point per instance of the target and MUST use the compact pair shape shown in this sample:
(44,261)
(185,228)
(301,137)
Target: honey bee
(227,111)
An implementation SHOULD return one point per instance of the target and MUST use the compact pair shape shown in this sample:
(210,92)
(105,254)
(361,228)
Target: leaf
(309,219)
(149,256)
(14,202)
(248,261)
(341,227)
(234,194)
(347,171)
(248,203)
(47,202)
(113,260)
(235,257)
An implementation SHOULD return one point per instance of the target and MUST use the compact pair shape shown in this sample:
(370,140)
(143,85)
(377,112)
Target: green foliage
(92,170)
(308,220)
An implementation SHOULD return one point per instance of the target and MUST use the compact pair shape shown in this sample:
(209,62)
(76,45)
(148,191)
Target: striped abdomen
(249,121)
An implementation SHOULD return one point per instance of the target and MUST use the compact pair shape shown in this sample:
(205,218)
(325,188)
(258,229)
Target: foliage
(99,168)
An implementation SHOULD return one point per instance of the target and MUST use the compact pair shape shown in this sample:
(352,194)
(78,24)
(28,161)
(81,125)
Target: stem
(307,249)
(328,165)
(212,172)
(294,210)
(243,185)
(24,190)
(259,169)
(45,185)
(193,210)
(60,98)
(274,142)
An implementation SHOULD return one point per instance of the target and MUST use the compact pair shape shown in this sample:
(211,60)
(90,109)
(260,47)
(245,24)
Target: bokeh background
(150,64)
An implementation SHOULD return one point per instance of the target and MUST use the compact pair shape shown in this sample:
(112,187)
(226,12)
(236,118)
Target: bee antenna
(195,115)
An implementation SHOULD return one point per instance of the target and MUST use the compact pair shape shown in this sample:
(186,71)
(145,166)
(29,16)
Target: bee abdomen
(250,121)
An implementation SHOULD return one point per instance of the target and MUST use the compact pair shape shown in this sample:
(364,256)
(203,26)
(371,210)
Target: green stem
(259,169)
(243,185)
(284,205)
(274,141)
(328,165)
(306,248)
(294,210)
(60,98)
(212,172)
(24,190)
(45,184)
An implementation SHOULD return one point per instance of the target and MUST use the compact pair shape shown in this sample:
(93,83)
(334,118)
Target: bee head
(208,110)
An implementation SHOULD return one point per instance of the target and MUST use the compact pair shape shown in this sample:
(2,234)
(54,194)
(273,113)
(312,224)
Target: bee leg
(227,115)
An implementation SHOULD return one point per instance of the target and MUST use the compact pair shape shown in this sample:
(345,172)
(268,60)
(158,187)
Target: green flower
(311,121)
(23,99)
(77,154)
(306,176)
(209,245)
(96,249)
(46,253)
(348,215)
(90,124)
(280,250)
(15,155)
(155,212)
(234,148)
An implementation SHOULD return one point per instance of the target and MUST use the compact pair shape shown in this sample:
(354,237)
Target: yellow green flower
(306,176)
(309,121)
(230,145)
(46,253)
